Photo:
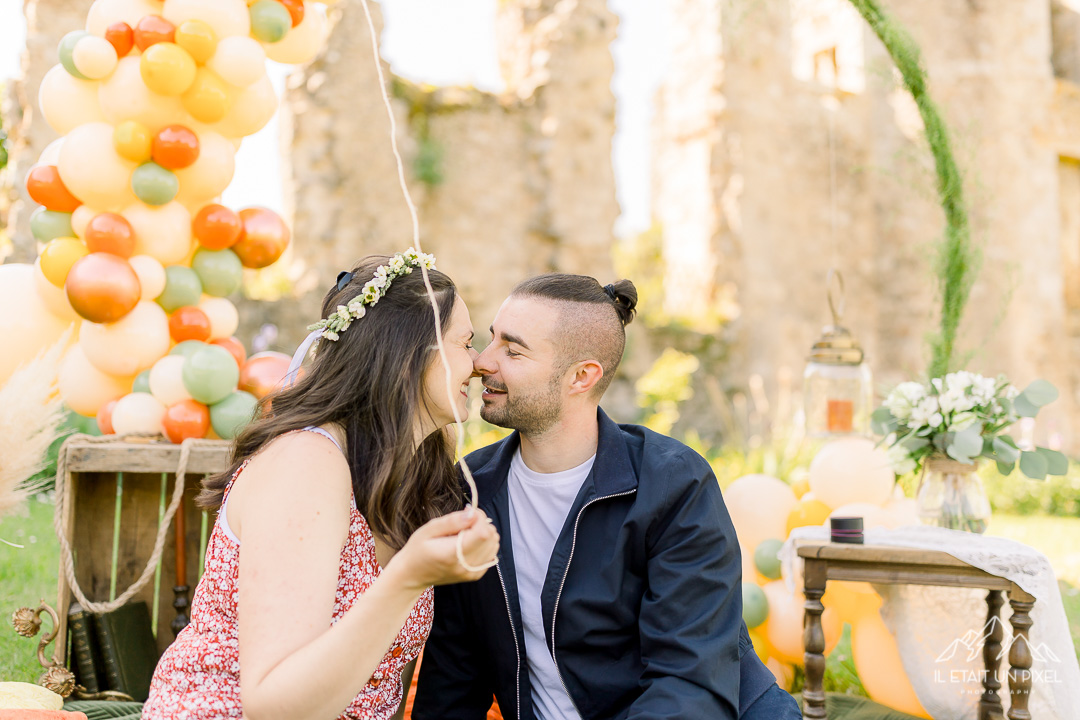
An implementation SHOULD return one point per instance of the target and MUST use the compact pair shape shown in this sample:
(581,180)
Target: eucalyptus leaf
(882,421)
(1005,452)
(1056,463)
(1007,439)
(1033,465)
(1040,393)
(957,454)
(913,443)
(969,441)
(1024,407)
(1005,468)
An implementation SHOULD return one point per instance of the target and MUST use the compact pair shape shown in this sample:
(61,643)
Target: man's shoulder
(651,451)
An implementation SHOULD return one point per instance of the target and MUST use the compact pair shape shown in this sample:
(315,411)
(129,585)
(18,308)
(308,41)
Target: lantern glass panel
(837,399)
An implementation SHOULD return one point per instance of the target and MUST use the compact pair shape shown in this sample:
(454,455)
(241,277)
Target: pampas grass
(31,414)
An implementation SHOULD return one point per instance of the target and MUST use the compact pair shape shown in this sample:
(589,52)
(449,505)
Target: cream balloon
(151,275)
(55,298)
(210,174)
(784,626)
(302,42)
(877,660)
(251,109)
(94,57)
(225,17)
(759,506)
(239,60)
(124,96)
(129,345)
(167,381)
(85,388)
(224,318)
(162,232)
(873,516)
(138,414)
(901,513)
(67,102)
(81,218)
(104,13)
(851,470)
(92,170)
(51,154)
(26,325)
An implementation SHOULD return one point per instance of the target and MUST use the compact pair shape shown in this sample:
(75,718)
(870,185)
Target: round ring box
(847,530)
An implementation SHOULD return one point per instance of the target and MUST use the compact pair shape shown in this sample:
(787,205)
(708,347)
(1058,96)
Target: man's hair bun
(624,296)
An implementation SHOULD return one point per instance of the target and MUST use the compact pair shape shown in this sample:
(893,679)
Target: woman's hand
(430,555)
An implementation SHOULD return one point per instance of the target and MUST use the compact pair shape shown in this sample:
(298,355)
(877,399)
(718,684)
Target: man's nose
(483,364)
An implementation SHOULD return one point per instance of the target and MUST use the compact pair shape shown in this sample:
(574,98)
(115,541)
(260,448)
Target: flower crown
(400,264)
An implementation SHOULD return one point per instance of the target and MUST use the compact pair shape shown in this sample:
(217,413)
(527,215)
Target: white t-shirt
(539,503)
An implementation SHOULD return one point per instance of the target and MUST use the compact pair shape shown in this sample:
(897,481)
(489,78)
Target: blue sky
(446,43)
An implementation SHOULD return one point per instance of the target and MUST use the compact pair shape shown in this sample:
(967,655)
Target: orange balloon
(175,147)
(186,419)
(263,373)
(216,227)
(104,418)
(46,188)
(102,287)
(189,323)
(264,238)
(111,233)
(235,347)
(121,36)
(153,29)
(296,10)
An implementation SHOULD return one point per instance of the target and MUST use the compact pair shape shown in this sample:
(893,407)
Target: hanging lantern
(837,384)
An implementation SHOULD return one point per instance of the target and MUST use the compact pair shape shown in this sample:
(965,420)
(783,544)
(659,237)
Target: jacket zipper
(513,631)
(566,571)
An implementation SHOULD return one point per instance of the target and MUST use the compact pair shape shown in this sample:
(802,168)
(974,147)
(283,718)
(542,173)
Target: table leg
(990,703)
(1020,656)
(814,640)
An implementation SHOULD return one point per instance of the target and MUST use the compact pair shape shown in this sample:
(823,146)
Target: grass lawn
(28,575)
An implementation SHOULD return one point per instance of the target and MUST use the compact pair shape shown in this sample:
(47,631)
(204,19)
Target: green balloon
(142,382)
(48,225)
(229,416)
(766,560)
(270,20)
(188,348)
(210,374)
(153,184)
(182,287)
(755,606)
(219,270)
(67,46)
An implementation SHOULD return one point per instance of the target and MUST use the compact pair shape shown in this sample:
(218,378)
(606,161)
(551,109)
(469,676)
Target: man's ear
(585,376)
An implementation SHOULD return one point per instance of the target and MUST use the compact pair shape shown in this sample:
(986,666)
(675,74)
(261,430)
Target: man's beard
(532,414)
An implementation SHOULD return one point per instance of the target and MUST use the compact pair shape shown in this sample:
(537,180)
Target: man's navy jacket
(642,602)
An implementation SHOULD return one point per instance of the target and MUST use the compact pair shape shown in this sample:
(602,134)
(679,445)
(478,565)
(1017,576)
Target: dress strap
(324,433)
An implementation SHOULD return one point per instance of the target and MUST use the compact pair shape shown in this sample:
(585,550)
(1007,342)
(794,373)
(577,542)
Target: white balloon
(151,275)
(67,102)
(104,13)
(225,17)
(129,345)
(124,96)
(303,42)
(851,470)
(51,154)
(759,506)
(207,177)
(162,232)
(94,57)
(138,414)
(85,388)
(27,327)
(54,298)
(873,516)
(901,512)
(92,169)
(239,60)
(224,318)
(167,381)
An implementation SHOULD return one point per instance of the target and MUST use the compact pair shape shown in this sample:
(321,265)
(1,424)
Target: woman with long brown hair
(340,512)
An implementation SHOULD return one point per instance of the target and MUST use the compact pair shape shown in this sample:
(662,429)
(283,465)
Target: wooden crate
(96,471)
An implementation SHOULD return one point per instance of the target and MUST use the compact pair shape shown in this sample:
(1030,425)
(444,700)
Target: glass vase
(951,495)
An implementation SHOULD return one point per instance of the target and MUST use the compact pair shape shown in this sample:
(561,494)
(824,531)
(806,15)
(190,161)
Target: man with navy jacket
(618,589)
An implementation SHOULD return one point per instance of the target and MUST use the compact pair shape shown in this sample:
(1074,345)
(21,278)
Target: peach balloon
(877,660)
(95,57)
(166,380)
(81,218)
(239,60)
(86,389)
(151,274)
(27,327)
(901,512)
(264,238)
(759,506)
(784,626)
(210,174)
(851,470)
(251,109)
(138,414)
(850,600)
(104,13)
(67,102)
(225,17)
(51,154)
(223,315)
(124,96)
(102,287)
(873,516)
(263,373)
(162,232)
(131,345)
(55,298)
(783,672)
(304,41)
(92,170)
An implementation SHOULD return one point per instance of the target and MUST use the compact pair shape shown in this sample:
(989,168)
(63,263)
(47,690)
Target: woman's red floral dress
(199,674)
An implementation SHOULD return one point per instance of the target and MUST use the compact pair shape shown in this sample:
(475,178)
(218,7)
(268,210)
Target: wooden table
(907,566)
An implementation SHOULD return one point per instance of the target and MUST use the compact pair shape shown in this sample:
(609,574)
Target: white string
(450,394)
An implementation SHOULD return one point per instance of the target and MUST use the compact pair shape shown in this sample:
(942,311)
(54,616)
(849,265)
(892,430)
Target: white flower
(926,413)
(904,398)
(330,335)
(955,400)
(962,421)
(901,461)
